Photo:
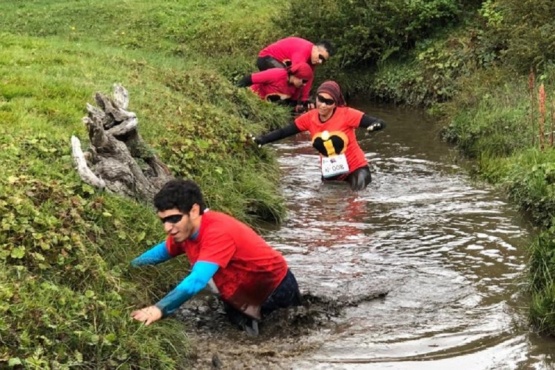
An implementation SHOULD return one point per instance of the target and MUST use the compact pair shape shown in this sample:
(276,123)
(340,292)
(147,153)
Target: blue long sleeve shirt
(200,275)
(197,280)
(157,254)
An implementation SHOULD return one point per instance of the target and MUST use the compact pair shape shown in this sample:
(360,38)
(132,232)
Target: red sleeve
(173,247)
(354,117)
(267,76)
(303,122)
(217,247)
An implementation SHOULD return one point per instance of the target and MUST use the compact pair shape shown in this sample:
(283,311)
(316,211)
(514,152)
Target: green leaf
(14,361)
(141,236)
(18,252)
(89,294)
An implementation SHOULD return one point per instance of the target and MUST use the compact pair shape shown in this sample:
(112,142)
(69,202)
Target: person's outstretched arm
(201,273)
(280,133)
(371,123)
(157,254)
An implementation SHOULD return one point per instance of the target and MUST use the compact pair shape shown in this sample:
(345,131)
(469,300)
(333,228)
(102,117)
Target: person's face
(297,82)
(325,104)
(319,55)
(180,225)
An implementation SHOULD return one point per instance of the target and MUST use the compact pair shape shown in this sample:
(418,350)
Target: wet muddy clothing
(249,269)
(334,137)
(288,51)
(272,85)
(287,294)
(268,62)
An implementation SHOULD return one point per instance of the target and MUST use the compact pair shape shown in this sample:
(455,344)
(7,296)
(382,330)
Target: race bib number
(335,165)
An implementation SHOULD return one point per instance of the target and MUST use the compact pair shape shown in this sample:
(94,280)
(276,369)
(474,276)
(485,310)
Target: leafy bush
(64,256)
(367,31)
(542,282)
(525,28)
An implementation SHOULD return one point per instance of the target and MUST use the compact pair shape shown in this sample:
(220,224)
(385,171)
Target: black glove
(252,138)
(375,126)
(245,81)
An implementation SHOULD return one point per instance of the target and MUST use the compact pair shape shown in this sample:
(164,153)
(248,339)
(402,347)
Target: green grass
(65,247)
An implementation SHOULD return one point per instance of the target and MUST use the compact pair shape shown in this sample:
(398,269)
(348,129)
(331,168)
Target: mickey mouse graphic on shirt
(331,147)
(330,143)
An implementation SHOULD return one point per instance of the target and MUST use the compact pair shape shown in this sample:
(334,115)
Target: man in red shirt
(252,279)
(291,50)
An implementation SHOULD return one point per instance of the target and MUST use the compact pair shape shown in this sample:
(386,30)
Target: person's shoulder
(311,114)
(216,217)
(295,39)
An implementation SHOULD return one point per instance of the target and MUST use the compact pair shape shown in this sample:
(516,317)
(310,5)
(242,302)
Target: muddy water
(451,254)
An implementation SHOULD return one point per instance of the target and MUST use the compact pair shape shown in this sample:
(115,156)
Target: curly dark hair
(181,194)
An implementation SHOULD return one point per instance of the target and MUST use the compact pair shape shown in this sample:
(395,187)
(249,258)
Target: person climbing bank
(332,130)
(281,85)
(252,278)
(291,50)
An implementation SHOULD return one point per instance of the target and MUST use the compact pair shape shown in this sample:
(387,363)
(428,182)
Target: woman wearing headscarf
(332,130)
(282,85)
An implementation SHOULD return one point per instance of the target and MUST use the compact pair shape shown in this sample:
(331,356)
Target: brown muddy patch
(284,335)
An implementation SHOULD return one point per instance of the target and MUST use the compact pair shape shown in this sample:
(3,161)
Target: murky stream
(449,252)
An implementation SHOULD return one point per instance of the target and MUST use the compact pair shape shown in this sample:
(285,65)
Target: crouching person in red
(252,278)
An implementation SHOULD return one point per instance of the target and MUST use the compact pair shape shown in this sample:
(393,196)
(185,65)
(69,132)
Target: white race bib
(335,165)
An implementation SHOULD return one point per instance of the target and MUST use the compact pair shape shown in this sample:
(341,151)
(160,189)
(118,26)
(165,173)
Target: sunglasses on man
(173,219)
(326,101)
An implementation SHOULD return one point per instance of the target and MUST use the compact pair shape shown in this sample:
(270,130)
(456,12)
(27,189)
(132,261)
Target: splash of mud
(284,334)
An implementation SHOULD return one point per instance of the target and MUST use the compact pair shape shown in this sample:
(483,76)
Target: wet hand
(147,315)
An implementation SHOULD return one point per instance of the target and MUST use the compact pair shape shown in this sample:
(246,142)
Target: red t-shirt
(336,135)
(289,51)
(273,82)
(249,269)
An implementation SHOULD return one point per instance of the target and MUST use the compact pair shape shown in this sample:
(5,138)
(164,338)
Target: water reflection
(450,252)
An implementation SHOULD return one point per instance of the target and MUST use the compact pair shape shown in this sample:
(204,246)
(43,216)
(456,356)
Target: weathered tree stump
(118,159)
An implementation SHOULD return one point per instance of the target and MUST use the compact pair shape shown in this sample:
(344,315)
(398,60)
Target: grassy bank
(67,288)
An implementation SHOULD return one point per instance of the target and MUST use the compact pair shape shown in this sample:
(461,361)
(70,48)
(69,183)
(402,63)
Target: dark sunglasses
(322,59)
(304,81)
(323,100)
(173,219)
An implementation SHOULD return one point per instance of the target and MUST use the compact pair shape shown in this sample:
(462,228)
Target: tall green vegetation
(367,32)
(66,285)
(371,35)
(505,120)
